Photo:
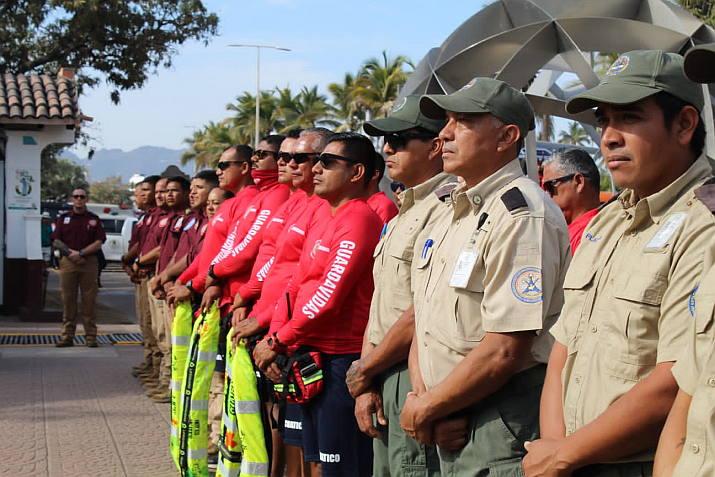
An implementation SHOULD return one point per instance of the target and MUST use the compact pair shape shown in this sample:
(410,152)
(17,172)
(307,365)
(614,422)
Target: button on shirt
(627,294)
(483,268)
(393,255)
(695,373)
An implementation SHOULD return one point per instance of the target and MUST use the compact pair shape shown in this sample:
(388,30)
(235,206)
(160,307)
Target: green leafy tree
(347,109)
(207,144)
(111,191)
(305,110)
(378,82)
(59,177)
(119,41)
(575,135)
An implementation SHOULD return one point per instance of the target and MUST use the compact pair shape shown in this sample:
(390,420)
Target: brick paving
(71,412)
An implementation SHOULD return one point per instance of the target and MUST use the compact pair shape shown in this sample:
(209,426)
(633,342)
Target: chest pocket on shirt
(467,321)
(577,285)
(638,329)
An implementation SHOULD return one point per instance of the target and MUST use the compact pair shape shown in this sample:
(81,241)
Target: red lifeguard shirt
(383,207)
(331,291)
(216,233)
(577,227)
(234,262)
(313,213)
(267,250)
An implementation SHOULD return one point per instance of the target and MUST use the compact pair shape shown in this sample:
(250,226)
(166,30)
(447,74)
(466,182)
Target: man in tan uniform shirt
(688,437)
(380,381)
(487,280)
(609,386)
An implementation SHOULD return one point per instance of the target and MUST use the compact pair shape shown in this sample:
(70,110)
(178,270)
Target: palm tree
(575,135)
(546,132)
(378,82)
(347,109)
(305,110)
(245,117)
(206,145)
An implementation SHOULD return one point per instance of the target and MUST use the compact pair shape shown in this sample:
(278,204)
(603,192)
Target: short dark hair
(574,160)
(293,133)
(208,176)
(671,106)
(183,183)
(379,165)
(359,148)
(227,194)
(274,140)
(151,180)
(242,151)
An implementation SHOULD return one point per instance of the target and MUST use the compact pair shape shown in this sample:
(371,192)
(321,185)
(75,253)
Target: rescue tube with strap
(180,335)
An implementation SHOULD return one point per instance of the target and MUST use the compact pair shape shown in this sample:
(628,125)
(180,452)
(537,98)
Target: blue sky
(327,39)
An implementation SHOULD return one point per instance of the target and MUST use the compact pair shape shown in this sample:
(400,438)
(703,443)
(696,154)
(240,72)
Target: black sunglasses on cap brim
(398,141)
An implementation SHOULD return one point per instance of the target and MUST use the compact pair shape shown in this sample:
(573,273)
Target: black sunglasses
(398,141)
(223,165)
(79,196)
(327,160)
(261,153)
(395,186)
(298,157)
(549,185)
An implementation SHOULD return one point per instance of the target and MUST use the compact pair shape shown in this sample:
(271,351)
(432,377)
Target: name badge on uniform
(661,238)
(67,220)
(463,269)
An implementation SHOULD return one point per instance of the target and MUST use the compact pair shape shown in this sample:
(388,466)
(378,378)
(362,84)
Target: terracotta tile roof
(37,99)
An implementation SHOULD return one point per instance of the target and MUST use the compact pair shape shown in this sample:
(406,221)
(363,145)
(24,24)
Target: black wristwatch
(81,253)
(275,344)
(211,273)
(188,285)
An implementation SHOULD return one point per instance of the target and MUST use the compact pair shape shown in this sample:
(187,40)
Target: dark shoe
(64,344)
(92,344)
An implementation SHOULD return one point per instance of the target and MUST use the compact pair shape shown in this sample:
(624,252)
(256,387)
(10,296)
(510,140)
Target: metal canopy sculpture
(517,40)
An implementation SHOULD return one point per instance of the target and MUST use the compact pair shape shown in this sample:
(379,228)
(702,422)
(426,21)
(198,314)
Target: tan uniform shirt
(483,268)
(393,255)
(627,294)
(695,373)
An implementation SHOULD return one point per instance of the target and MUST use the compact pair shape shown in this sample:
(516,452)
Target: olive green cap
(483,95)
(700,63)
(405,115)
(637,75)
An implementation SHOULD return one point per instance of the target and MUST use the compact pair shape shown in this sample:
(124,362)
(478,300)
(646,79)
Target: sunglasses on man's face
(550,186)
(78,196)
(262,153)
(327,160)
(223,165)
(395,186)
(298,157)
(398,141)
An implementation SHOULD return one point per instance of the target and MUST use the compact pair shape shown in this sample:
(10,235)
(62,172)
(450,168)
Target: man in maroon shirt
(78,237)
(572,179)
(330,301)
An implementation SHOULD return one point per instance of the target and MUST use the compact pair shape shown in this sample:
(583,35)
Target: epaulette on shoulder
(706,194)
(188,211)
(443,192)
(514,200)
(92,214)
(613,198)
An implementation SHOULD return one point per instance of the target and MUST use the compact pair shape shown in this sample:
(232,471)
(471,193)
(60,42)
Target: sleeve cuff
(287,335)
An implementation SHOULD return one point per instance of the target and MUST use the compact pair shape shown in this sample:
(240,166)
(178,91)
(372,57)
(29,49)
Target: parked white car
(119,231)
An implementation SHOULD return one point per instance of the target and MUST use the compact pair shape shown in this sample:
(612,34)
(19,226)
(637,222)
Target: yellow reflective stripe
(199,405)
(313,378)
(248,407)
(207,356)
(228,423)
(180,340)
(253,468)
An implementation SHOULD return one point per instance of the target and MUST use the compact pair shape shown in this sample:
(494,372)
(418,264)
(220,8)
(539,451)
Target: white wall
(22,197)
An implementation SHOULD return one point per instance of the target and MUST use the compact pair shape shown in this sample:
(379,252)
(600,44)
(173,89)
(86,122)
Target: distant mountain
(145,160)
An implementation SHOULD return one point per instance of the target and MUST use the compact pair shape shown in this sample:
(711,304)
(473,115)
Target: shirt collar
(479,193)
(414,194)
(659,204)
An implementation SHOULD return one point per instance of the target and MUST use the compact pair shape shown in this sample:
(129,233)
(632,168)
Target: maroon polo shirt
(79,230)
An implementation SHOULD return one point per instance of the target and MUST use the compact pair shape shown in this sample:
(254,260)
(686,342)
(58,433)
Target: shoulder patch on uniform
(706,194)
(444,191)
(513,199)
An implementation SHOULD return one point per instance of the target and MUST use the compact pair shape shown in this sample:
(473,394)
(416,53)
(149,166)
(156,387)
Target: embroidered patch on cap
(468,85)
(691,302)
(618,66)
(526,285)
(400,105)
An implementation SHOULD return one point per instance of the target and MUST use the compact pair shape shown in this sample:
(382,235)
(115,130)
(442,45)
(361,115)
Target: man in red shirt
(329,305)
(78,237)
(383,206)
(572,179)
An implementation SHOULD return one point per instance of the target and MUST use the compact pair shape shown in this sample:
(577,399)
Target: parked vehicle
(119,231)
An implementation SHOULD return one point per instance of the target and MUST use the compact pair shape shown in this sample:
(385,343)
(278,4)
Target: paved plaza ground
(71,412)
